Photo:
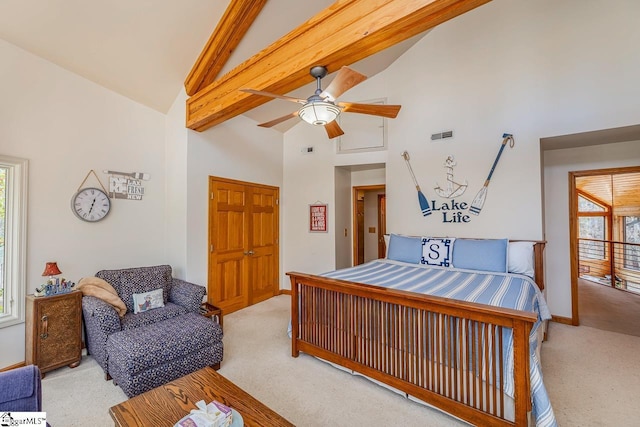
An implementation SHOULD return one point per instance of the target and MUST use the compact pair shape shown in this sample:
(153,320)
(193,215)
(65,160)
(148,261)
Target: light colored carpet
(603,307)
(590,375)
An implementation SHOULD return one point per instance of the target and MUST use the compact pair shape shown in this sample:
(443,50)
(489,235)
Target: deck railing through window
(610,262)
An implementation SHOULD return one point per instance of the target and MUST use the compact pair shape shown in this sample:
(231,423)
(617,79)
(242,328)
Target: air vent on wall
(442,135)
(307,150)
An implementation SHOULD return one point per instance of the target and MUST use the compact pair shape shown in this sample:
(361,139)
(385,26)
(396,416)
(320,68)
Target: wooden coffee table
(165,405)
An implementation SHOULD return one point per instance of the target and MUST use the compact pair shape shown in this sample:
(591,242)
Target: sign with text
(452,211)
(121,187)
(318,218)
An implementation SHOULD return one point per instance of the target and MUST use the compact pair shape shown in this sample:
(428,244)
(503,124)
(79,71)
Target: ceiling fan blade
(279,120)
(274,95)
(333,129)
(342,82)
(383,110)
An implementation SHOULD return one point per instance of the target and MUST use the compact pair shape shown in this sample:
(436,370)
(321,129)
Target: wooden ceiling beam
(345,32)
(231,28)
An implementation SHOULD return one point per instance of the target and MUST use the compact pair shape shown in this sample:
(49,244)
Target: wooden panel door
(263,244)
(243,237)
(382,225)
(228,228)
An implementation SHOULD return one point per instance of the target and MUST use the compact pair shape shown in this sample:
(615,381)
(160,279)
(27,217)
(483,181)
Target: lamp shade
(51,269)
(319,112)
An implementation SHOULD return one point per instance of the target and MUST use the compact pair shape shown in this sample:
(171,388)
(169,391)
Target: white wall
(557,165)
(237,149)
(533,69)
(342,218)
(176,184)
(66,126)
(373,176)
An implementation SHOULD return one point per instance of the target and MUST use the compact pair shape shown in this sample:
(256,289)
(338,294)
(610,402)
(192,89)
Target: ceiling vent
(442,135)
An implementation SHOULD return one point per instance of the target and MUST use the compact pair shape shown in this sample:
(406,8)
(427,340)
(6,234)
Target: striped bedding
(497,289)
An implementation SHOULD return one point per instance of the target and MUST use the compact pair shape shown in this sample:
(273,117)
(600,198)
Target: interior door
(263,244)
(382,224)
(243,244)
(229,237)
(360,230)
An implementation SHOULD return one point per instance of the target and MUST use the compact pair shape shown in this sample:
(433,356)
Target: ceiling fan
(321,108)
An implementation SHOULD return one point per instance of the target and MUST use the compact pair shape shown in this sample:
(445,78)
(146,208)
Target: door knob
(249,253)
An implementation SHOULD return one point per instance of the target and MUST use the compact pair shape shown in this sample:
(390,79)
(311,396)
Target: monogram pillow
(436,251)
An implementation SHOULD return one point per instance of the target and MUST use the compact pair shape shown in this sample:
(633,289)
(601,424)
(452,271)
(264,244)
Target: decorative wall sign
(424,204)
(452,189)
(455,211)
(478,201)
(318,218)
(126,185)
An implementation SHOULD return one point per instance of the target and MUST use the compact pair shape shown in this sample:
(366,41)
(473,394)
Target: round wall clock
(91,204)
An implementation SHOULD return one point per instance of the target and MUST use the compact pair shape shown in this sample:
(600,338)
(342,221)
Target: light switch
(372,229)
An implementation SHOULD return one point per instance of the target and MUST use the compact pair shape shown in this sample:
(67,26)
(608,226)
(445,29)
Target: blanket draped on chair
(101,289)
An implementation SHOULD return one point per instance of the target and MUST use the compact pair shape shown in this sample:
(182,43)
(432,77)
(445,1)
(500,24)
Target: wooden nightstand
(54,331)
(211,311)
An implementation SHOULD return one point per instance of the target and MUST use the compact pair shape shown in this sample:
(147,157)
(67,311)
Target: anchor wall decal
(453,188)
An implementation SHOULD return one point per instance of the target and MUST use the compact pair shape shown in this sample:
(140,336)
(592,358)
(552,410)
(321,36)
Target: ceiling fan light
(319,113)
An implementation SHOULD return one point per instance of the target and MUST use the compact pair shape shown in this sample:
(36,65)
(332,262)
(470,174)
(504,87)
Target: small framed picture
(318,218)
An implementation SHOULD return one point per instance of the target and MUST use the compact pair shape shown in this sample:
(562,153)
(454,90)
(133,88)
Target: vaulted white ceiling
(144,49)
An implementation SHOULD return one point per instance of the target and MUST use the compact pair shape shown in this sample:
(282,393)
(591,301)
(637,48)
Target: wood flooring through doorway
(603,307)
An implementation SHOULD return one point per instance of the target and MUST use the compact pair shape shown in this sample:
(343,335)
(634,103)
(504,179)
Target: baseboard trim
(17,365)
(285,292)
(561,319)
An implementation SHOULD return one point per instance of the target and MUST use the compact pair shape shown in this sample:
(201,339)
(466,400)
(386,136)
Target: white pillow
(147,301)
(387,237)
(520,259)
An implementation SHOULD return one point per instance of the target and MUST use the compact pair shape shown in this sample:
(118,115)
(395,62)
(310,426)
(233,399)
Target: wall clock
(91,204)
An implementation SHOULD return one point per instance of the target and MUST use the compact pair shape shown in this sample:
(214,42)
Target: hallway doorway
(369,223)
(604,232)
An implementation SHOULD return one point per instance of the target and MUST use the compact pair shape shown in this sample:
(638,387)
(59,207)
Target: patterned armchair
(157,339)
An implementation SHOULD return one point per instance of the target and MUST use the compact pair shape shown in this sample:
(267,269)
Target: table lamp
(51,269)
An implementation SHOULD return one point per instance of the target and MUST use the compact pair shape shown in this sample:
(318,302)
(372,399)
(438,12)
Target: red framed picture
(318,218)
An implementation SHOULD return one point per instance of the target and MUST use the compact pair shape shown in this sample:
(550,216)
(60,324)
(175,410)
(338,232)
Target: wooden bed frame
(438,350)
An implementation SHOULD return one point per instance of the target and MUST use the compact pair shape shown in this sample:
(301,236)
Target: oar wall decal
(478,201)
(424,204)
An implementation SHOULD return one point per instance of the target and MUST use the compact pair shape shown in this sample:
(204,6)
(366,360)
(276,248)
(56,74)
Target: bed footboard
(447,353)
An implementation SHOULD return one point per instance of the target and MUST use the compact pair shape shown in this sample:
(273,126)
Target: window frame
(625,241)
(15,245)
(605,214)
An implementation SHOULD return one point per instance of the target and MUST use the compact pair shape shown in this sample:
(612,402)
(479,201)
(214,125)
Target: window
(586,205)
(13,226)
(591,225)
(632,235)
